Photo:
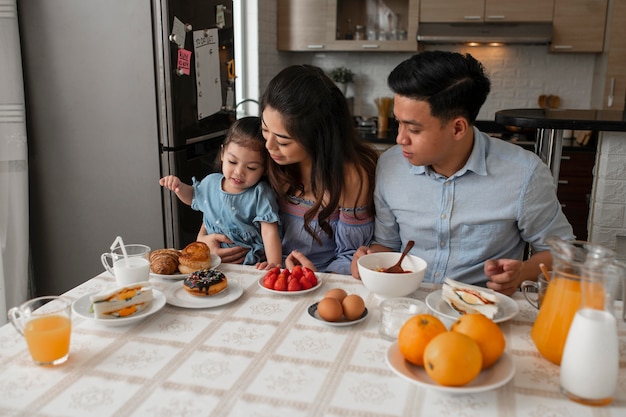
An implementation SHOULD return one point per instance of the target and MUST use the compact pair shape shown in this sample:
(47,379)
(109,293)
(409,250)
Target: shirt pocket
(479,242)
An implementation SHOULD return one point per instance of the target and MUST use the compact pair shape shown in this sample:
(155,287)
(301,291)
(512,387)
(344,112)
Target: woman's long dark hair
(316,114)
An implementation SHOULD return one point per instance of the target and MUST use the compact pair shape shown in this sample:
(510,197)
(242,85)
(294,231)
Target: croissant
(164,261)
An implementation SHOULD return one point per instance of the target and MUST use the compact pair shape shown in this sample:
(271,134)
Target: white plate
(507,307)
(177,296)
(82,307)
(319,284)
(493,377)
(215,262)
(313,313)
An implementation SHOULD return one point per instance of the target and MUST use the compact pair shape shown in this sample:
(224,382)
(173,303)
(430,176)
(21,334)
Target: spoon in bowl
(396,268)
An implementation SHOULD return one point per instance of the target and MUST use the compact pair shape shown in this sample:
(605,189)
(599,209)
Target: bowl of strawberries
(299,280)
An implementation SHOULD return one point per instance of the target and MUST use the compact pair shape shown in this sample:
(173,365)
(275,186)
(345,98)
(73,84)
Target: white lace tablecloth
(263,355)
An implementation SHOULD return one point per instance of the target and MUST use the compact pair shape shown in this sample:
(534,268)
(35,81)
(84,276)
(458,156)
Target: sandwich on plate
(467,298)
(122,301)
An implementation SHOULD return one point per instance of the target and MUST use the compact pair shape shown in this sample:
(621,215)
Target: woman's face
(283,149)
(242,168)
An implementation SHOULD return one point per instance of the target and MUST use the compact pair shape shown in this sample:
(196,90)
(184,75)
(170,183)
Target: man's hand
(504,275)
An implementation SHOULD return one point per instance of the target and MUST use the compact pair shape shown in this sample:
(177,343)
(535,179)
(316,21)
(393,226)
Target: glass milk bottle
(590,363)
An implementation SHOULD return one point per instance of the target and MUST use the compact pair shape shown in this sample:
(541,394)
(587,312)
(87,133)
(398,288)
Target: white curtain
(13,166)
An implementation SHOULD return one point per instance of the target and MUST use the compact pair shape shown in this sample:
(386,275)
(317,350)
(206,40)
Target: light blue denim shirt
(237,216)
(502,198)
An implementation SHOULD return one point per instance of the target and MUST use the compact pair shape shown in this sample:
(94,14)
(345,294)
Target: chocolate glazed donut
(205,282)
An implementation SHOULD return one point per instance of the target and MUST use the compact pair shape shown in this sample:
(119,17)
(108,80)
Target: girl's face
(283,149)
(242,168)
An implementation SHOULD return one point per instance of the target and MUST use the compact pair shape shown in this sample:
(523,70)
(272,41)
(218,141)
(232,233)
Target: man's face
(424,140)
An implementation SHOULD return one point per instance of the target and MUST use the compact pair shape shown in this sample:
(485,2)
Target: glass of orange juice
(46,324)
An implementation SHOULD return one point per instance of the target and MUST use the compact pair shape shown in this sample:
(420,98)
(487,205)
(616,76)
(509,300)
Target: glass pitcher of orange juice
(563,296)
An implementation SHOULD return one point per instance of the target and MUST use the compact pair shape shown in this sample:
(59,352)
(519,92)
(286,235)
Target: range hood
(520,33)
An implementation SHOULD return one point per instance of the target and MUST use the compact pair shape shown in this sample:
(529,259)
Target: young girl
(236,203)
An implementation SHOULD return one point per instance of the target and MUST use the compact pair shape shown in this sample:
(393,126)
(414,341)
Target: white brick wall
(608,216)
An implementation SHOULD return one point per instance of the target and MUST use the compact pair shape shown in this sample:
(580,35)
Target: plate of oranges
(468,358)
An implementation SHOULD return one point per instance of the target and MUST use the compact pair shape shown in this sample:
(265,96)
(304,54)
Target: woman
(322,172)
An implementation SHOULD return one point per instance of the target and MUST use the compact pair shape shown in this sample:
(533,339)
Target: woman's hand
(298,258)
(234,255)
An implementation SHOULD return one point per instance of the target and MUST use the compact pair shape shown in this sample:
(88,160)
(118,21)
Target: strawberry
(310,276)
(269,281)
(294,285)
(305,283)
(286,273)
(270,277)
(275,270)
(281,283)
(297,271)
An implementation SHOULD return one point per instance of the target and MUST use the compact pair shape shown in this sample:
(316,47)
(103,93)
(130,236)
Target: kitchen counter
(550,124)
(607,120)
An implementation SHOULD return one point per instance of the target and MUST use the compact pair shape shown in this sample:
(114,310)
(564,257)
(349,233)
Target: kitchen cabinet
(331,25)
(574,187)
(613,63)
(303,25)
(486,11)
(579,25)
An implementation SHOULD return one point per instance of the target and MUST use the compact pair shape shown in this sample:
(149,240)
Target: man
(470,202)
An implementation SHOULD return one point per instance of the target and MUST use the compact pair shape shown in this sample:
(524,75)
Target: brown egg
(330,309)
(336,293)
(353,307)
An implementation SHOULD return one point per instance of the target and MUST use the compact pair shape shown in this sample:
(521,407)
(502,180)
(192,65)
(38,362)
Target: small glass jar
(372,35)
(394,312)
(359,33)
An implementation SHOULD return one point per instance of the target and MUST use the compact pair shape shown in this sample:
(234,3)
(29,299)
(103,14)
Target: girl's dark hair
(453,84)
(245,132)
(316,115)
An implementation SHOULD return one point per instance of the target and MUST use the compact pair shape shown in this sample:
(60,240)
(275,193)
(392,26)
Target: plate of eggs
(339,308)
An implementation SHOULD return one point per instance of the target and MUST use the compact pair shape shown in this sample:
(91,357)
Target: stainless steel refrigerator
(118,94)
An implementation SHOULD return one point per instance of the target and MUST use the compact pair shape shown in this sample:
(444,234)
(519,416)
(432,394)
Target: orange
(452,359)
(415,334)
(485,332)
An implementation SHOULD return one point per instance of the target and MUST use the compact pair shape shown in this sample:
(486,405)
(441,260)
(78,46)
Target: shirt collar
(477,162)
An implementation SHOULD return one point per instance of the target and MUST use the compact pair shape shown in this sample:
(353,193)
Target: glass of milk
(128,263)
(590,363)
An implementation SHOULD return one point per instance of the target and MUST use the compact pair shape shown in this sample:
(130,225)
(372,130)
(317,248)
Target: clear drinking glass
(394,312)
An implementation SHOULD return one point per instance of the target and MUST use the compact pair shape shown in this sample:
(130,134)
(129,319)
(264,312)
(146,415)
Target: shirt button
(437,274)
(443,216)
(442,244)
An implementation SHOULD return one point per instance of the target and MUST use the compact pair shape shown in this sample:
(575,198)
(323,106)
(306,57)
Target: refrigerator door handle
(172,148)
